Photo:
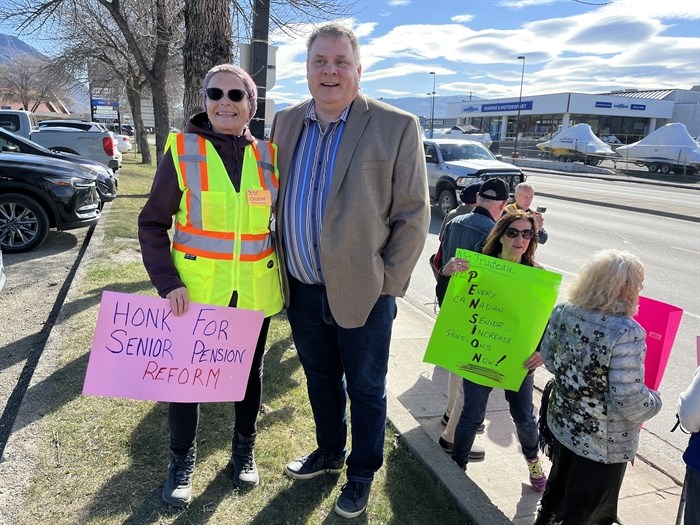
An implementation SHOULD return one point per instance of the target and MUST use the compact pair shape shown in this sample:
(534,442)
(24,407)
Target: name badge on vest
(259,198)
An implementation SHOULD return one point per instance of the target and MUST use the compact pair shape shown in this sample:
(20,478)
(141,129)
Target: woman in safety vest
(220,184)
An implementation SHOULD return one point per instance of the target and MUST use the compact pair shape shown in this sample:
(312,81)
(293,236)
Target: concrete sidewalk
(496,490)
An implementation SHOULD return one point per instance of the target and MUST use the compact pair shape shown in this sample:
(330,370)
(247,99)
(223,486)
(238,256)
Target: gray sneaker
(315,464)
(353,499)
(245,471)
(178,485)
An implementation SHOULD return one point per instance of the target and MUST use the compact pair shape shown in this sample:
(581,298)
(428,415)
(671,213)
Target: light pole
(432,106)
(520,98)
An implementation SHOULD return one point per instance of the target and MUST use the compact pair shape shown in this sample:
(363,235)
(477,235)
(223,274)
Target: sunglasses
(512,233)
(235,95)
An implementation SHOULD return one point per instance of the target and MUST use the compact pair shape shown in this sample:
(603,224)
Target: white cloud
(394,3)
(462,19)
(624,44)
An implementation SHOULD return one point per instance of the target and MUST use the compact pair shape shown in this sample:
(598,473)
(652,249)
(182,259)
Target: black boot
(178,486)
(245,472)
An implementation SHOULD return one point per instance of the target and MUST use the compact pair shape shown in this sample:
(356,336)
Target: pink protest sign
(660,320)
(142,351)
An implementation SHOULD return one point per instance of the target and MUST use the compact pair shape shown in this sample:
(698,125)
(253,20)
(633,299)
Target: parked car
(123,142)
(106,180)
(456,163)
(38,193)
(94,145)
(82,125)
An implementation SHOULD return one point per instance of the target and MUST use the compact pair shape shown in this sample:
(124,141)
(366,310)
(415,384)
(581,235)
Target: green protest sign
(491,320)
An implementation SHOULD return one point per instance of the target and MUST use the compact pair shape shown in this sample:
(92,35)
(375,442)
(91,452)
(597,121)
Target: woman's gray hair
(240,73)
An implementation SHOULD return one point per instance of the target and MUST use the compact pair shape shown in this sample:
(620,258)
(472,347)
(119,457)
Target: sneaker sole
(175,503)
(349,515)
(312,475)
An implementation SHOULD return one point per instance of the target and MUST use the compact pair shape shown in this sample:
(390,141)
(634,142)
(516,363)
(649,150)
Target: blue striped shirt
(305,199)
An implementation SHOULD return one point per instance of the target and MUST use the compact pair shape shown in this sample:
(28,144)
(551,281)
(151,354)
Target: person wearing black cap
(468,198)
(469,232)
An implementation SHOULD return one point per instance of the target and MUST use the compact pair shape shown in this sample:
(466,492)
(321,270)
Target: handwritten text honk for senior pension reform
(142,351)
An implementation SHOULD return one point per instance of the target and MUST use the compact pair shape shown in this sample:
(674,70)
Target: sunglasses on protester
(235,95)
(512,233)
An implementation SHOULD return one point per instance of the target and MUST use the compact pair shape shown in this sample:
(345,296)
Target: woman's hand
(179,300)
(533,362)
(454,265)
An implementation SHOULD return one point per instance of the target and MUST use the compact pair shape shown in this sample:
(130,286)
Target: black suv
(39,193)
(106,180)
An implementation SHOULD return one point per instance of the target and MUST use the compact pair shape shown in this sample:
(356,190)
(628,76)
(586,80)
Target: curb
(469,498)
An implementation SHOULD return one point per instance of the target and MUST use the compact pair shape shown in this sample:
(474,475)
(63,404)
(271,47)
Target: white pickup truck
(100,146)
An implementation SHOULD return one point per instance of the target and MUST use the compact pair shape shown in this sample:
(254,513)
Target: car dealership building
(626,116)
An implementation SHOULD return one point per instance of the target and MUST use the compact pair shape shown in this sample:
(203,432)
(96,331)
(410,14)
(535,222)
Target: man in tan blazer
(352,220)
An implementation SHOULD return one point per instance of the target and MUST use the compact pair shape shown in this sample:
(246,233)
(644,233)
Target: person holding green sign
(595,349)
(512,239)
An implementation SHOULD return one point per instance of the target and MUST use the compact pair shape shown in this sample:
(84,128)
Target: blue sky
(472,47)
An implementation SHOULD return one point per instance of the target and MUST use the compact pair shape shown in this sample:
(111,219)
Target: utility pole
(258,63)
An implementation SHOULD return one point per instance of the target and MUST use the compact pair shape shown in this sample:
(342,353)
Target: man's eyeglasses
(512,233)
(235,95)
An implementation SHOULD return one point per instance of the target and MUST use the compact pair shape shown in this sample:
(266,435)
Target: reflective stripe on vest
(191,237)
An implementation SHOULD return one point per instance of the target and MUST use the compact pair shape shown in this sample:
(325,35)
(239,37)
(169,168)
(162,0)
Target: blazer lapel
(355,126)
(287,142)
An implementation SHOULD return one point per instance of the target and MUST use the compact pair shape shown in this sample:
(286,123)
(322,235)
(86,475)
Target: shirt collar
(311,113)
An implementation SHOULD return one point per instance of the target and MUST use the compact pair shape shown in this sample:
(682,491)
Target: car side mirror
(10,147)
(430,159)
(498,156)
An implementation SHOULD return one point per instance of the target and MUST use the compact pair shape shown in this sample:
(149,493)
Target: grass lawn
(103,460)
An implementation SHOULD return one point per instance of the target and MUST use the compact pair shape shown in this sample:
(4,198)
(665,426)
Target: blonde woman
(595,349)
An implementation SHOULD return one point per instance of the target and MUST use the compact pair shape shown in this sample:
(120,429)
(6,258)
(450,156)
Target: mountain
(11,46)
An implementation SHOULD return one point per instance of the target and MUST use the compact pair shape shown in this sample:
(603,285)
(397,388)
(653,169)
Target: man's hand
(179,300)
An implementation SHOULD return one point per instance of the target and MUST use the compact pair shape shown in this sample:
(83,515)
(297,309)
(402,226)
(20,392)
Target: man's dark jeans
(341,362)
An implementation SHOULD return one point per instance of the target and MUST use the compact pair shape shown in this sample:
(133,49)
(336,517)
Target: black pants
(183,418)
(580,491)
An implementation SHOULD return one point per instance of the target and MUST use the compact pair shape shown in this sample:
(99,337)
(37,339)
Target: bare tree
(208,42)
(34,80)
(164,18)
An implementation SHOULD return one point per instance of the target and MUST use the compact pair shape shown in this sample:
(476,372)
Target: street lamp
(432,107)
(517,120)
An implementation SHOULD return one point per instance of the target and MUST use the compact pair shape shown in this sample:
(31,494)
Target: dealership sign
(506,106)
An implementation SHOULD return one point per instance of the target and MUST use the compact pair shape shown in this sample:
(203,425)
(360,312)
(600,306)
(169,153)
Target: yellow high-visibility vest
(222,241)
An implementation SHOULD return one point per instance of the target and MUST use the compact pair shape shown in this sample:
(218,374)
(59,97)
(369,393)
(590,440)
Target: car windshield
(465,151)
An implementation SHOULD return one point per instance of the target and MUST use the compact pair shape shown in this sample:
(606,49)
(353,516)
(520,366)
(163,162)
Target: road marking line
(685,249)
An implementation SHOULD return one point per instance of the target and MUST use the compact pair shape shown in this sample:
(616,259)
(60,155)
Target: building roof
(654,94)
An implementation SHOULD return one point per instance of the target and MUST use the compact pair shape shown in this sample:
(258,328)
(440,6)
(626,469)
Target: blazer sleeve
(631,397)
(409,215)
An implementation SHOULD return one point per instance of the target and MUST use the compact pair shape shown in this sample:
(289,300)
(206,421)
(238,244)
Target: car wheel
(24,224)
(653,167)
(447,201)
(665,168)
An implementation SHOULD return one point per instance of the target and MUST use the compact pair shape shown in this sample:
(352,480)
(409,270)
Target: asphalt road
(669,248)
